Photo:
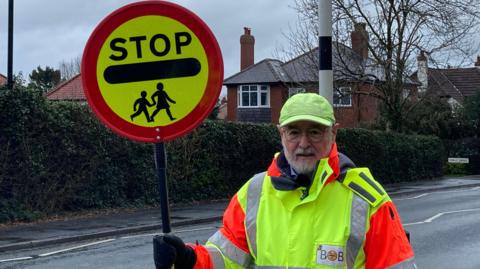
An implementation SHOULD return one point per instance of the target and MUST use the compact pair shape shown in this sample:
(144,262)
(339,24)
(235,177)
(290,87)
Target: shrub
(393,157)
(218,157)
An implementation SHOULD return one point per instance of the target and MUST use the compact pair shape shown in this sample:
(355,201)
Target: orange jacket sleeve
(203,258)
(233,229)
(234,225)
(386,243)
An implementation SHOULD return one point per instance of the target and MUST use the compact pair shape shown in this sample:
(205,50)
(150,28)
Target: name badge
(331,255)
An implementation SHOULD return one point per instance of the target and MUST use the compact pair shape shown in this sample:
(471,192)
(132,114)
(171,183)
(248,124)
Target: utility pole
(325,73)
(10,46)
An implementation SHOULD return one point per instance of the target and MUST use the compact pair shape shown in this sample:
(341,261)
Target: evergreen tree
(44,79)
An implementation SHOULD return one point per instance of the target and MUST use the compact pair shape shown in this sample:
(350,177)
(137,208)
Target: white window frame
(347,92)
(260,89)
(293,91)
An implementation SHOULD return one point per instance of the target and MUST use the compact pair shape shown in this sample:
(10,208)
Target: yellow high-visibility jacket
(344,219)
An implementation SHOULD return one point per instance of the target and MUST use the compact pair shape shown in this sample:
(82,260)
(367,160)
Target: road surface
(444,227)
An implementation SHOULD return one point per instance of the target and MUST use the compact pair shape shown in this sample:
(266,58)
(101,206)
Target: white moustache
(301,151)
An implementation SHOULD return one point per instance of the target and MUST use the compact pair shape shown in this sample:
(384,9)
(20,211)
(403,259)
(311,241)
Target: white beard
(299,166)
(302,168)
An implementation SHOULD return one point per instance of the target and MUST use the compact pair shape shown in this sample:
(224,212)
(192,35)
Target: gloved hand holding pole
(169,250)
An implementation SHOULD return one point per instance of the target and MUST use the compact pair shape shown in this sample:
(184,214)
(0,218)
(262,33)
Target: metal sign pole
(161,165)
(10,46)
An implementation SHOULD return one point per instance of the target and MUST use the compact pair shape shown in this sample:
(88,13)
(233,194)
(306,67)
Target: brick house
(3,80)
(454,84)
(258,91)
(70,90)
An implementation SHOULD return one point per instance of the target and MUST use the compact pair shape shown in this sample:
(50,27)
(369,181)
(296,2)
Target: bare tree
(69,69)
(398,30)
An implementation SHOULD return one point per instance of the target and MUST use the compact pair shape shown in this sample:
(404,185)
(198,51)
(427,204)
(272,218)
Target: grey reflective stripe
(231,251)
(217,258)
(358,220)
(361,191)
(323,176)
(371,183)
(407,264)
(253,201)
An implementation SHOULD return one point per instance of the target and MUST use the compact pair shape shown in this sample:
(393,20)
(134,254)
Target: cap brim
(307,118)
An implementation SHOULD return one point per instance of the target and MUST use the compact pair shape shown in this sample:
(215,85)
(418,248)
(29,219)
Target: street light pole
(10,46)
(325,73)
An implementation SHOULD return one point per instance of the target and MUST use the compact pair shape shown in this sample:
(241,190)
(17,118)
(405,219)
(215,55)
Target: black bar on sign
(325,51)
(152,70)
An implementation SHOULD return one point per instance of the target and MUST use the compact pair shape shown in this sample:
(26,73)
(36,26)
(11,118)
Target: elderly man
(312,208)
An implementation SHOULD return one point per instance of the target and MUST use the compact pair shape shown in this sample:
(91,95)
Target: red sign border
(157,133)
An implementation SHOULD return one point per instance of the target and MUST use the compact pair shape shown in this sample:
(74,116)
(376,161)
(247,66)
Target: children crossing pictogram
(142,104)
(160,98)
(162,102)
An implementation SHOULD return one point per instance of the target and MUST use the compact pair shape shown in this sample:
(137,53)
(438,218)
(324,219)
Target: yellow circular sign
(152,71)
(136,42)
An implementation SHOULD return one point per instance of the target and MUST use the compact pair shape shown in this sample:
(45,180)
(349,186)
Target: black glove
(169,250)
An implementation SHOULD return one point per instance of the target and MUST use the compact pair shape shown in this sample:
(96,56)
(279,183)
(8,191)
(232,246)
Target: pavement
(121,222)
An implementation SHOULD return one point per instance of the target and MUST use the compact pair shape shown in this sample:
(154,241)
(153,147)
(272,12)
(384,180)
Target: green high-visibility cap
(307,107)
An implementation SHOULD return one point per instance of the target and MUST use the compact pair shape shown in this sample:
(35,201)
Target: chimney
(477,63)
(360,40)
(422,72)
(247,43)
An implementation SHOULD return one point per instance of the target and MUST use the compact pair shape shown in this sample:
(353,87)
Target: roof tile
(454,82)
(71,89)
(347,64)
(265,71)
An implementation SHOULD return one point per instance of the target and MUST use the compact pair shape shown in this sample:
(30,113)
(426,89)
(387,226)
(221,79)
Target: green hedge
(393,157)
(56,156)
(217,158)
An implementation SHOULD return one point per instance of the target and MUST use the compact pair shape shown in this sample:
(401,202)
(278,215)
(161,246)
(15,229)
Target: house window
(253,96)
(293,91)
(342,97)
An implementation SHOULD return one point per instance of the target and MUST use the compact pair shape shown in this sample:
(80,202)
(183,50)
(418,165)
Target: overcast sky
(49,31)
